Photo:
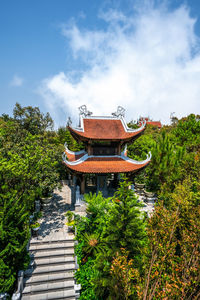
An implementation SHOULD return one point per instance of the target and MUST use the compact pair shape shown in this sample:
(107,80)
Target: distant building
(156,124)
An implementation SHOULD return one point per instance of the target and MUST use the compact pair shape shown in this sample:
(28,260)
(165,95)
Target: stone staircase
(51,271)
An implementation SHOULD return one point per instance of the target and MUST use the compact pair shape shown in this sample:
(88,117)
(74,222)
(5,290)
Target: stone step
(49,269)
(65,294)
(52,253)
(49,287)
(51,247)
(34,241)
(49,207)
(61,276)
(54,260)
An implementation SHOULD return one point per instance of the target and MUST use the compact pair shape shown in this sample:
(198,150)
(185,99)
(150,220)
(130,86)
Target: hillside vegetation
(121,253)
(124,255)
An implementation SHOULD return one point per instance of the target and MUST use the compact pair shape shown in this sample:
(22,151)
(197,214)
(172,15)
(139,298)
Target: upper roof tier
(105,128)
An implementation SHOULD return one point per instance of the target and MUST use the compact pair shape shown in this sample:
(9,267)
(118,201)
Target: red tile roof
(106,165)
(105,129)
(73,157)
(149,122)
(154,123)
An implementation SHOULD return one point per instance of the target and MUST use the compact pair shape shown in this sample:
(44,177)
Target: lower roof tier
(103,165)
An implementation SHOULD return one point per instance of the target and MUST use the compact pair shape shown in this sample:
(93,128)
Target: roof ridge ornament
(69,121)
(120,112)
(84,112)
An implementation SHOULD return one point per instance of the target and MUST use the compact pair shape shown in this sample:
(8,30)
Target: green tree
(97,211)
(138,149)
(124,277)
(112,224)
(14,235)
(31,119)
(174,234)
(124,228)
(187,132)
(165,164)
(29,168)
(125,223)
(64,136)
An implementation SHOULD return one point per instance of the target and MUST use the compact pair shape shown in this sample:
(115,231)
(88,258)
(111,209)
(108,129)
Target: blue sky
(143,55)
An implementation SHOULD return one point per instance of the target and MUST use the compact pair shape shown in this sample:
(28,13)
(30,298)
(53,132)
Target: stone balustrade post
(37,205)
(17,295)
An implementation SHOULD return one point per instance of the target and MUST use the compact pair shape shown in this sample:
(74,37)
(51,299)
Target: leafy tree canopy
(31,119)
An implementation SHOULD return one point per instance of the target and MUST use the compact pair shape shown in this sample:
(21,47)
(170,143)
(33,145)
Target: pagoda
(104,157)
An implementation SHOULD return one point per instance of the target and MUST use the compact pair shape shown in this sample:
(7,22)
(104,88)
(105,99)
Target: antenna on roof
(120,112)
(84,112)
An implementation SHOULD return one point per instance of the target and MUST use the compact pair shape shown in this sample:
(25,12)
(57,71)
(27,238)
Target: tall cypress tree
(165,162)
(124,231)
(126,224)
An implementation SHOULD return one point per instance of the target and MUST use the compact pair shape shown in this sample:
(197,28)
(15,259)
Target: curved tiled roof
(105,164)
(155,123)
(149,122)
(105,128)
(73,156)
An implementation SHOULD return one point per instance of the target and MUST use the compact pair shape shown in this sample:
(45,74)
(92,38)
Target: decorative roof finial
(120,112)
(69,121)
(84,112)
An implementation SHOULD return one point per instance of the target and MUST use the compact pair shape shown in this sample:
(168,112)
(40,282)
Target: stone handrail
(20,286)
(77,287)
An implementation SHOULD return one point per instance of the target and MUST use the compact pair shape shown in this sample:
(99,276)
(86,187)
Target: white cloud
(148,62)
(17,81)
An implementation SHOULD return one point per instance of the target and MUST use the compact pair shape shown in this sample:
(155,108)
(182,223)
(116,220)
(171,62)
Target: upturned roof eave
(83,137)
(72,170)
(106,164)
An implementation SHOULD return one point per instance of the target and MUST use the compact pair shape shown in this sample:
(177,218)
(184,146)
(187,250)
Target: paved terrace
(53,220)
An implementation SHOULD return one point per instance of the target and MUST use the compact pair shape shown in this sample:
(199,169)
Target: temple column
(73,201)
(83,184)
(119,149)
(74,180)
(97,184)
(89,149)
(102,184)
(115,181)
(70,179)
